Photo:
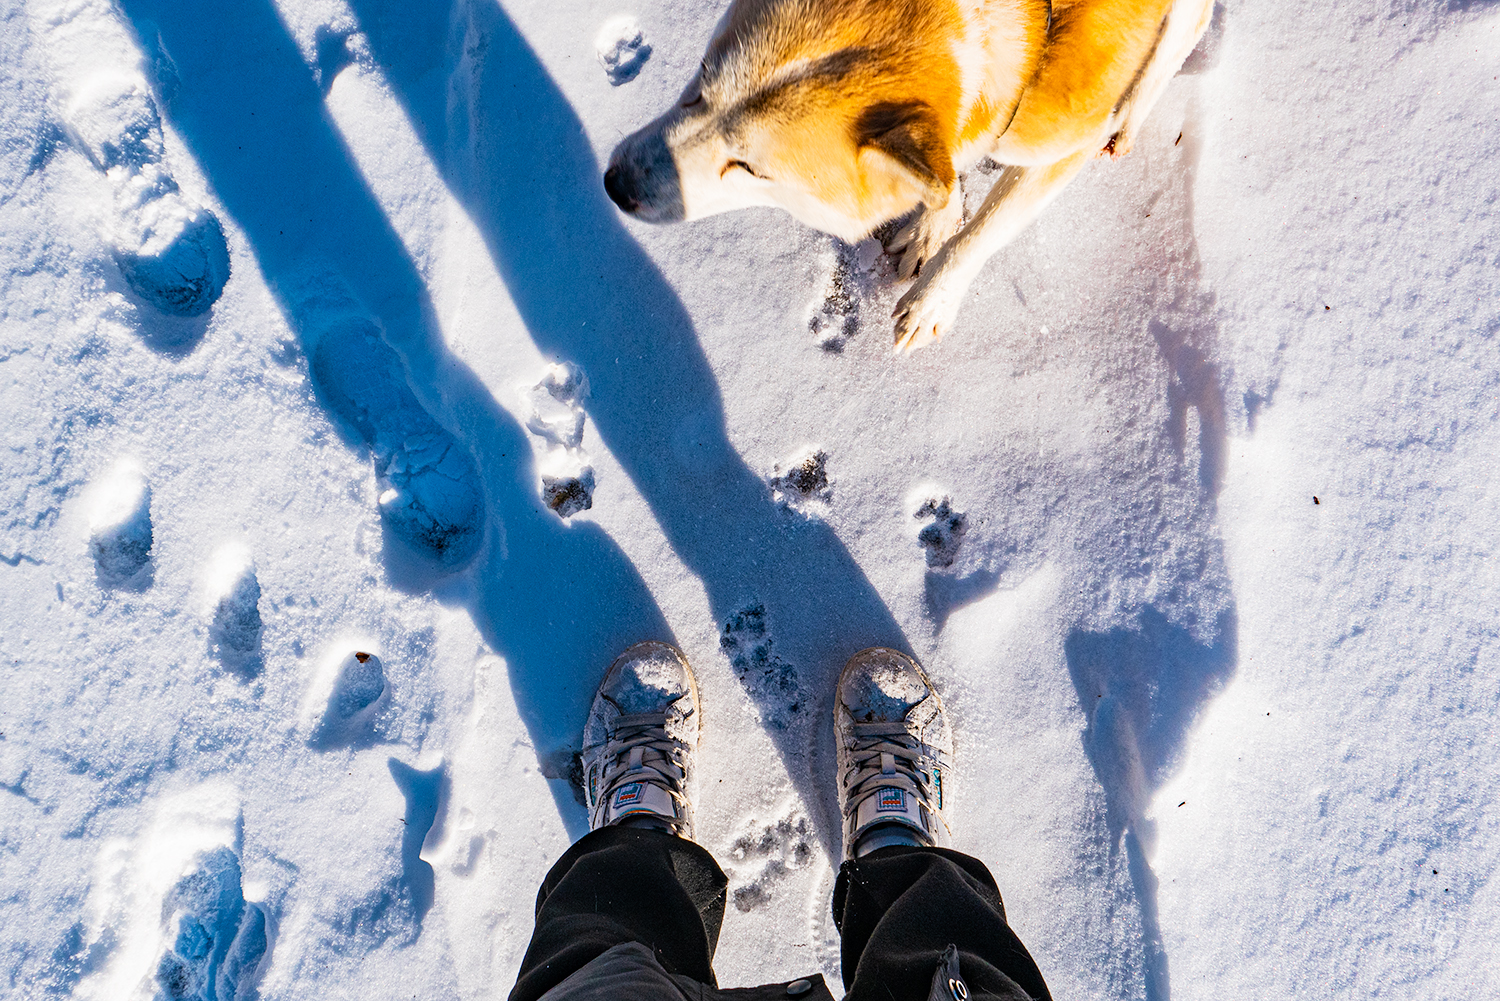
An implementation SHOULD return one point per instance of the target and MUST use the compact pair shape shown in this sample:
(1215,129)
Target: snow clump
(358,695)
(622,49)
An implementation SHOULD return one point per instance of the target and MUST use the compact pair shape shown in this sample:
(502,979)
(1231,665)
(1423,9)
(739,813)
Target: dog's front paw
(927,310)
(920,240)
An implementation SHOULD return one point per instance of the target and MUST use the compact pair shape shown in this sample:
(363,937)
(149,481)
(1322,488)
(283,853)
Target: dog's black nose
(614,185)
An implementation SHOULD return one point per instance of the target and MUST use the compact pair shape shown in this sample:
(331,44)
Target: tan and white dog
(850,113)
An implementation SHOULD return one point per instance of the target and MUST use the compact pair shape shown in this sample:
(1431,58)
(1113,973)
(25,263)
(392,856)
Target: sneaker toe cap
(651,677)
(647,678)
(882,685)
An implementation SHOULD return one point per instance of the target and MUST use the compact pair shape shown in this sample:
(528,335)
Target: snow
(120,524)
(1215,737)
(622,49)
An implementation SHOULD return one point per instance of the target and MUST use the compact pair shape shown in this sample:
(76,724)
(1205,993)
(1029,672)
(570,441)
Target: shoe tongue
(886,692)
(642,798)
(649,685)
(895,805)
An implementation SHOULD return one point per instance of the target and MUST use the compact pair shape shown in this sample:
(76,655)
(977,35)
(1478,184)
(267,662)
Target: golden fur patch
(849,113)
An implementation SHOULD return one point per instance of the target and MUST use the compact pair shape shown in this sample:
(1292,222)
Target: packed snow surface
(350,432)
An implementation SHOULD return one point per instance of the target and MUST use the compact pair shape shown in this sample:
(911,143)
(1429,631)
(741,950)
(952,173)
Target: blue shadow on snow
(1140,690)
(514,154)
(557,601)
(425,793)
(562,600)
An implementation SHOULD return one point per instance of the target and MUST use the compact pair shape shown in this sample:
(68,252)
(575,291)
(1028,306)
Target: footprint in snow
(120,533)
(217,941)
(943,532)
(170,249)
(801,483)
(234,592)
(771,682)
(557,417)
(428,484)
(849,276)
(568,493)
(770,852)
(622,49)
(359,695)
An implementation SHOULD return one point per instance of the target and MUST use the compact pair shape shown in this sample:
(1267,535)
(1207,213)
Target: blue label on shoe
(891,800)
(628,795)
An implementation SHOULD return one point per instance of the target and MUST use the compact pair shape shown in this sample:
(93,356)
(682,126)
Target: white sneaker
(895,752)
(640,740)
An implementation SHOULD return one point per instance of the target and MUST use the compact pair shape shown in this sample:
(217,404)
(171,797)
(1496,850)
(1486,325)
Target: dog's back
(1097,54)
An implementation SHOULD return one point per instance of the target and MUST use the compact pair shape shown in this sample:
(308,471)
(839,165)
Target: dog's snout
(617,189)
(642,178)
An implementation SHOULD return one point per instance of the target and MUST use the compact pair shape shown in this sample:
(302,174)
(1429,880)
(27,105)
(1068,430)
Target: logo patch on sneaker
(891,800)
(628,795)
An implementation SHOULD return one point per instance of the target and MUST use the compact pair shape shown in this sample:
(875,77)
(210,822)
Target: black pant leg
(620,884)
(899,908)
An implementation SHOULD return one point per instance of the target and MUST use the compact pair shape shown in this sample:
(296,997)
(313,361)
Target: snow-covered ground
(1192,517)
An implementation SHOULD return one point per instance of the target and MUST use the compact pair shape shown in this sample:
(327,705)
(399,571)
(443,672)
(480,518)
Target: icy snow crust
(1214,737)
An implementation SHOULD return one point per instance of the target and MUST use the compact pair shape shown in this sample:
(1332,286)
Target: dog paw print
(622,49)
(801,483)
(770,682)
(943,531)
(557,417)
(833,319)
(767,854)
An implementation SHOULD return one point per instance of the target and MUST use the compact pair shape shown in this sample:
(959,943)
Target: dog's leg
(929,307)
(921,238)
(1185,25)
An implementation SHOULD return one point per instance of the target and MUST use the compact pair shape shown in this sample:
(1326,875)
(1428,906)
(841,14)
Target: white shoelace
(643,751)
(886,757)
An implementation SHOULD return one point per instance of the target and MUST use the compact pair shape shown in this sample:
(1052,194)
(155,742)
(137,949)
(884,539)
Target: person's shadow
(557,602)
(514,153)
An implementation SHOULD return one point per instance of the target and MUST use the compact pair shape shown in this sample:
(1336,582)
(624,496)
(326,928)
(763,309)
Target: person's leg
(904,898)
(898,910)
(636,877)
(621,884)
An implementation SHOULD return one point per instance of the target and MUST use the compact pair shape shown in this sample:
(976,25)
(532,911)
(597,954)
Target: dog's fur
(850,113)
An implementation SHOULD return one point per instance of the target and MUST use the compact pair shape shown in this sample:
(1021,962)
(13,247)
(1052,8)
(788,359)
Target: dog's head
(842,113)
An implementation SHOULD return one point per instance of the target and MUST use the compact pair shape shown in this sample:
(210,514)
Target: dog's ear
(908,136)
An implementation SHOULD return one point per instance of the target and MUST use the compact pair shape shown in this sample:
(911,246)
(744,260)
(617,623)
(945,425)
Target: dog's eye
(741,164)
(696,99)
